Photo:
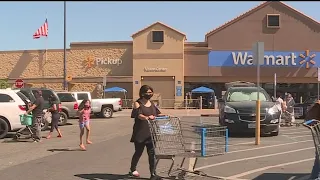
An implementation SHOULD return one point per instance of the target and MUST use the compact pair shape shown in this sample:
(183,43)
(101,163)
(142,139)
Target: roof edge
(238,18)
(158,22)
(246,14)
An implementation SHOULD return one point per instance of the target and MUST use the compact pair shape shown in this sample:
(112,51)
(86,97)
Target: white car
(100,107)
(11,106)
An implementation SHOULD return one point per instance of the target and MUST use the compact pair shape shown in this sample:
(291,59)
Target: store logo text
(157,69)
(240,58)
(91,61)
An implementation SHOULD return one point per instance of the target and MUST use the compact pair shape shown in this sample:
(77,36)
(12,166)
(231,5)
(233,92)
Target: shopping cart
(314,126)
(27,121)
(173,138)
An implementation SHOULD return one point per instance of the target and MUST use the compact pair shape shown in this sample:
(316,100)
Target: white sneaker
(134,173)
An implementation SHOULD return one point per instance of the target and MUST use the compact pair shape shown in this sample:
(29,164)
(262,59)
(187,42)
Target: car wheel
(106,112)
(44,124)
(63,119)
(4,128)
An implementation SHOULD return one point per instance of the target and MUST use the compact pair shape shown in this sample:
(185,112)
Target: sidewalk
(177,112)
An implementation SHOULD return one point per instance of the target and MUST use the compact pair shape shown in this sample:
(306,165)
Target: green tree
(4,84)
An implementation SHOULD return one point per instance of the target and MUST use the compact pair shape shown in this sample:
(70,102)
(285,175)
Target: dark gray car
(69,104)
(238,111)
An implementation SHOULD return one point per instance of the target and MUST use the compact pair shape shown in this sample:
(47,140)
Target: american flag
(42,31)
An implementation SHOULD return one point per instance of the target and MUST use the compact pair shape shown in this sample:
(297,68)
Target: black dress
(141,132)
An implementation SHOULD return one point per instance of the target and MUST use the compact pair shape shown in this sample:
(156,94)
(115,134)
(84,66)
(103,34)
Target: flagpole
(64,47)
(46,42)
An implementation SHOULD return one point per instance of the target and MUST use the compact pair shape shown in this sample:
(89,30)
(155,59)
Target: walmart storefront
(295,71)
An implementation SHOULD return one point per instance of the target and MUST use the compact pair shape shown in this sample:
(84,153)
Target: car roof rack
(240,84)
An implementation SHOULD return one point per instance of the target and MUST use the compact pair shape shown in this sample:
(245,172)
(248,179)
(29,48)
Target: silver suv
(69,105)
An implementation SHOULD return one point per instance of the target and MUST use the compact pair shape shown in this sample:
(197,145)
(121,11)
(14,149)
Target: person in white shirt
(279,104)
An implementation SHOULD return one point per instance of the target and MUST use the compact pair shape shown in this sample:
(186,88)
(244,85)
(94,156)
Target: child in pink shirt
(84,121)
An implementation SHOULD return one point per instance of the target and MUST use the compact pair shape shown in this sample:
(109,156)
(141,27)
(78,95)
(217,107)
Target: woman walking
(84,121)
(55,116)
(143,111)
(289,110)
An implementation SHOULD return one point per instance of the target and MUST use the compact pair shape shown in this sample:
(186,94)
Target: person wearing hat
(37,113)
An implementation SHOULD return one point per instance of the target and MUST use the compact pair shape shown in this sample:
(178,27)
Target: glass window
(23,97)
(245,95)
(5,98)
(66,97)
(45,94)
(273,20)
(82,96)
(311,100)
(157,36)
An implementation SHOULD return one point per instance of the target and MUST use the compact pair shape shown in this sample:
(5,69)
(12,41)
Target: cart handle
(309,122)
(162,117)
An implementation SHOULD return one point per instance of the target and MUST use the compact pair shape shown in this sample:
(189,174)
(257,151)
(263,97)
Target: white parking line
(252,142)
(300,136)
(299,132)
(290,129)
(269,167)
(264,147)
(254,157)
(249,142)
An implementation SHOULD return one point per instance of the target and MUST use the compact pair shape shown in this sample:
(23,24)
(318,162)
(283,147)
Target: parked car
(69,104)
(100,107)
(12,106)
(238,110)
(305,106)
(46,93)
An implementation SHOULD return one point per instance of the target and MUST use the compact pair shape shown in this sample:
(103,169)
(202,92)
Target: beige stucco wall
(120,54)
(173,41)
(33,65)
(173,67)
(55,86)
(169,55)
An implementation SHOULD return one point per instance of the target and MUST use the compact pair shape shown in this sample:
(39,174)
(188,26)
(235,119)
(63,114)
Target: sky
(116,21)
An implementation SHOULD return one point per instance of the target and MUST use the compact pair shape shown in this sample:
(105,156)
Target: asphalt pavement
(288,156)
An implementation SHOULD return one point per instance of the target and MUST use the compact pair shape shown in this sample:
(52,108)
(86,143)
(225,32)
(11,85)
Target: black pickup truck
(302,108)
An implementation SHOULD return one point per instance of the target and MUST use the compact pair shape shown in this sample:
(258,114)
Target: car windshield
(311,100)
(66,97)
(23,97)
(246,95)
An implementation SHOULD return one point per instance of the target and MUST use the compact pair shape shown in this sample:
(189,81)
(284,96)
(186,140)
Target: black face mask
(148,96)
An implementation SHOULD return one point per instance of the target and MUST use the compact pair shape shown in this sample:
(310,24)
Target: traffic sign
(19,83)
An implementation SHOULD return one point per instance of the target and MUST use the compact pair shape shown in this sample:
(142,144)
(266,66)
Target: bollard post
(227,140)
(186,102)
(203,141)
(257,142)
(192,160)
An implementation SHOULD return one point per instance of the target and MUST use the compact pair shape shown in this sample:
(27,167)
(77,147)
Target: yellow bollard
(258,122)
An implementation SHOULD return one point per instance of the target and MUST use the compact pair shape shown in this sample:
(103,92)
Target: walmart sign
(271,58)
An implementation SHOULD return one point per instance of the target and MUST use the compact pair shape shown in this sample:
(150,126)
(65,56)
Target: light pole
(64,47)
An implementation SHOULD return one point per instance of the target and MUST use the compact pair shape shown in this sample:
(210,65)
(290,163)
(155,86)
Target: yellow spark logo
(89,62)
(307,59)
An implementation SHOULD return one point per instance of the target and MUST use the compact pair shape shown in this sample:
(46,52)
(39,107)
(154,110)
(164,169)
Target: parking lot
(288,156)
